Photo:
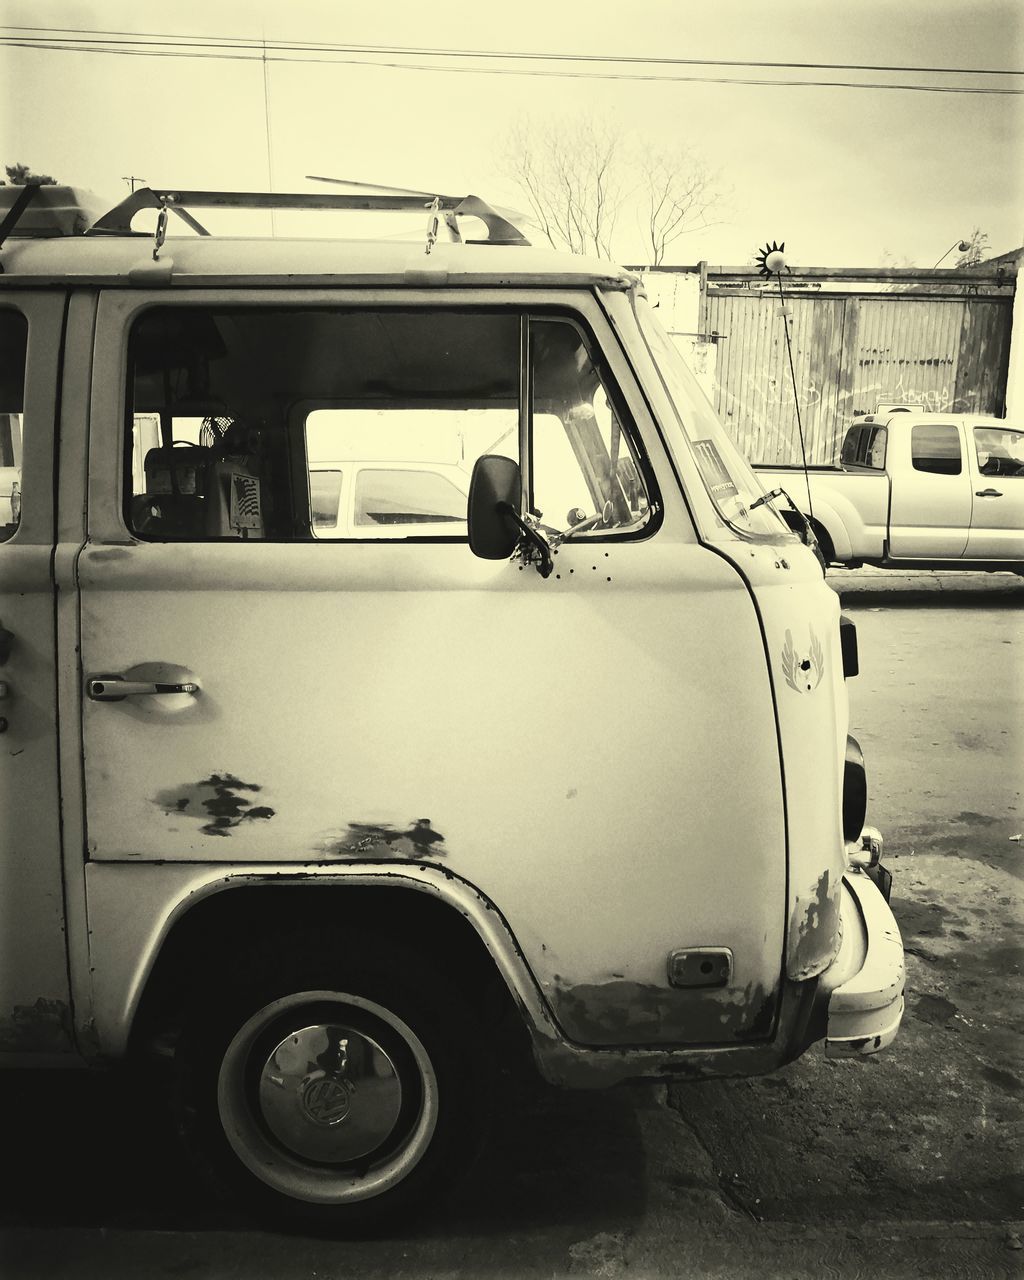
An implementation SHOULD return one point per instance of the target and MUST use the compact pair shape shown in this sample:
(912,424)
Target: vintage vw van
(340,823)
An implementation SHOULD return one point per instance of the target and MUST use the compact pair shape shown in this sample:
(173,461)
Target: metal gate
(851,352)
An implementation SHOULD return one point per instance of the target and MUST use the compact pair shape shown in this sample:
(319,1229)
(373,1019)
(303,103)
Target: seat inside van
(199,491)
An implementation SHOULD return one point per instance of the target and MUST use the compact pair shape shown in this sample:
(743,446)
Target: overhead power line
(241,42)
(238,49)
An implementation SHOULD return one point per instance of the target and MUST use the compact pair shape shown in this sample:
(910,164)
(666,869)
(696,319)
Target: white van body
(343,818)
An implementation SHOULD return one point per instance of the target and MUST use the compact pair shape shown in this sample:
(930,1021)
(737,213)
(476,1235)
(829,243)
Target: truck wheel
(338,1092)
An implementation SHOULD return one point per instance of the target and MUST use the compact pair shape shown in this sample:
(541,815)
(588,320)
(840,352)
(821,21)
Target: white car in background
(10,470)
(373,499)
(10,496)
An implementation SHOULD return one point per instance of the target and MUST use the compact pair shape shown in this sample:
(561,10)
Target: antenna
(773,262)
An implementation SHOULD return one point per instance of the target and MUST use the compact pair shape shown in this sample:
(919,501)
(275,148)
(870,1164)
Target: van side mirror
(496,486)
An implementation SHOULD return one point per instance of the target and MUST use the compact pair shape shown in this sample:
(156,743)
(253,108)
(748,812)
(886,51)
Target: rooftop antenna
(772,260)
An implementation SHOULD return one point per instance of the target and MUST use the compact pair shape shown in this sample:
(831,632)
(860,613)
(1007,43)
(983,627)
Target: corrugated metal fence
(851,352)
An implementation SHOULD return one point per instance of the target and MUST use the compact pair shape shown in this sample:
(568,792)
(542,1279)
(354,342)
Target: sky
(854,177)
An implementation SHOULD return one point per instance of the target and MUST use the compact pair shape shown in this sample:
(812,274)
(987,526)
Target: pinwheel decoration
(772,259)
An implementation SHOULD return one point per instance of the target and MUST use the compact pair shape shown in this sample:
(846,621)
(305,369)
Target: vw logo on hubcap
(325,1101)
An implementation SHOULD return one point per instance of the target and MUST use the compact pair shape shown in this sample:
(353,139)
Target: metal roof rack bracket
(148,272)
(447,209)
(156,270)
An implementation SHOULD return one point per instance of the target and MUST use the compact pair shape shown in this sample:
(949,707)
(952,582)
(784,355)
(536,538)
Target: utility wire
(501,71)
(222,48)
(174,39)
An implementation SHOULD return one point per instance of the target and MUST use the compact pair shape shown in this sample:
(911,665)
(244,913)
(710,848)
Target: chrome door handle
(116,688)
(988,493)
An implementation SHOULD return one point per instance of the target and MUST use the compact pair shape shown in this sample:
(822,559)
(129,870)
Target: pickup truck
(930,490)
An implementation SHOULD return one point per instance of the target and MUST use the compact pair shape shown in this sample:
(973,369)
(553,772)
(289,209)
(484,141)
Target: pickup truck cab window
(864,446)
(1000,451)
(935,447)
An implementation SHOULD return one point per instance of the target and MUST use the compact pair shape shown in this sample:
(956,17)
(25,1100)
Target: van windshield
(727,475)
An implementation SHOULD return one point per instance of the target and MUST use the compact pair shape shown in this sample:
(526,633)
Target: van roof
(56,235)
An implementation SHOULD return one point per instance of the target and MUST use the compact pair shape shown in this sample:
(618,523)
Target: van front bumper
(864,984)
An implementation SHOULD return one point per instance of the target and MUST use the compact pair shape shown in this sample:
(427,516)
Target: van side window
(13,346)
(256,423)
(584,466)
(935,447)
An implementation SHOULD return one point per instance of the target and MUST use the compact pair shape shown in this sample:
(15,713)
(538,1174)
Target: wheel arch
(829,522)
(825,542)
(204,924)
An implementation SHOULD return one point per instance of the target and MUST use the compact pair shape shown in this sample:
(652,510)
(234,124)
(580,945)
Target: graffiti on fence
(758,422)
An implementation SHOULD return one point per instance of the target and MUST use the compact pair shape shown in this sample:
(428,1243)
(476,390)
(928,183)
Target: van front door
(35,1016)
(595,751)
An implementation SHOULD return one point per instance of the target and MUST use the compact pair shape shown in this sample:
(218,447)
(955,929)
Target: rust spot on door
(218,800)
(634,1013)
(813,930)
(375,840)
(41,1027)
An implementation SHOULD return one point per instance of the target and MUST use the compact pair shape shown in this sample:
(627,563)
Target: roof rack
(441,208)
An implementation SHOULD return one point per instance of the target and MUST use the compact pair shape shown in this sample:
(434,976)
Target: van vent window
(586,469)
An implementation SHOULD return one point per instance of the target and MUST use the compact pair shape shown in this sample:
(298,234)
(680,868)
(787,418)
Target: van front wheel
(338,1093)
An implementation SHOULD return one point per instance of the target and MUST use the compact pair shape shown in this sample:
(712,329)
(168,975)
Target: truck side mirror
(496,486)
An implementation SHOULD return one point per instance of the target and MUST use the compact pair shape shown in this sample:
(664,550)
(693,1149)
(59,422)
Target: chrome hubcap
(327,1097)
(330,1093)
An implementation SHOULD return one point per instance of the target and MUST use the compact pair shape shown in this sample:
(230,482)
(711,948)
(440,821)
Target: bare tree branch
(678,192)
(580,177)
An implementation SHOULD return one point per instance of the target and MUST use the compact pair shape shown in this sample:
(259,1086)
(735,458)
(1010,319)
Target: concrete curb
(896,587)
